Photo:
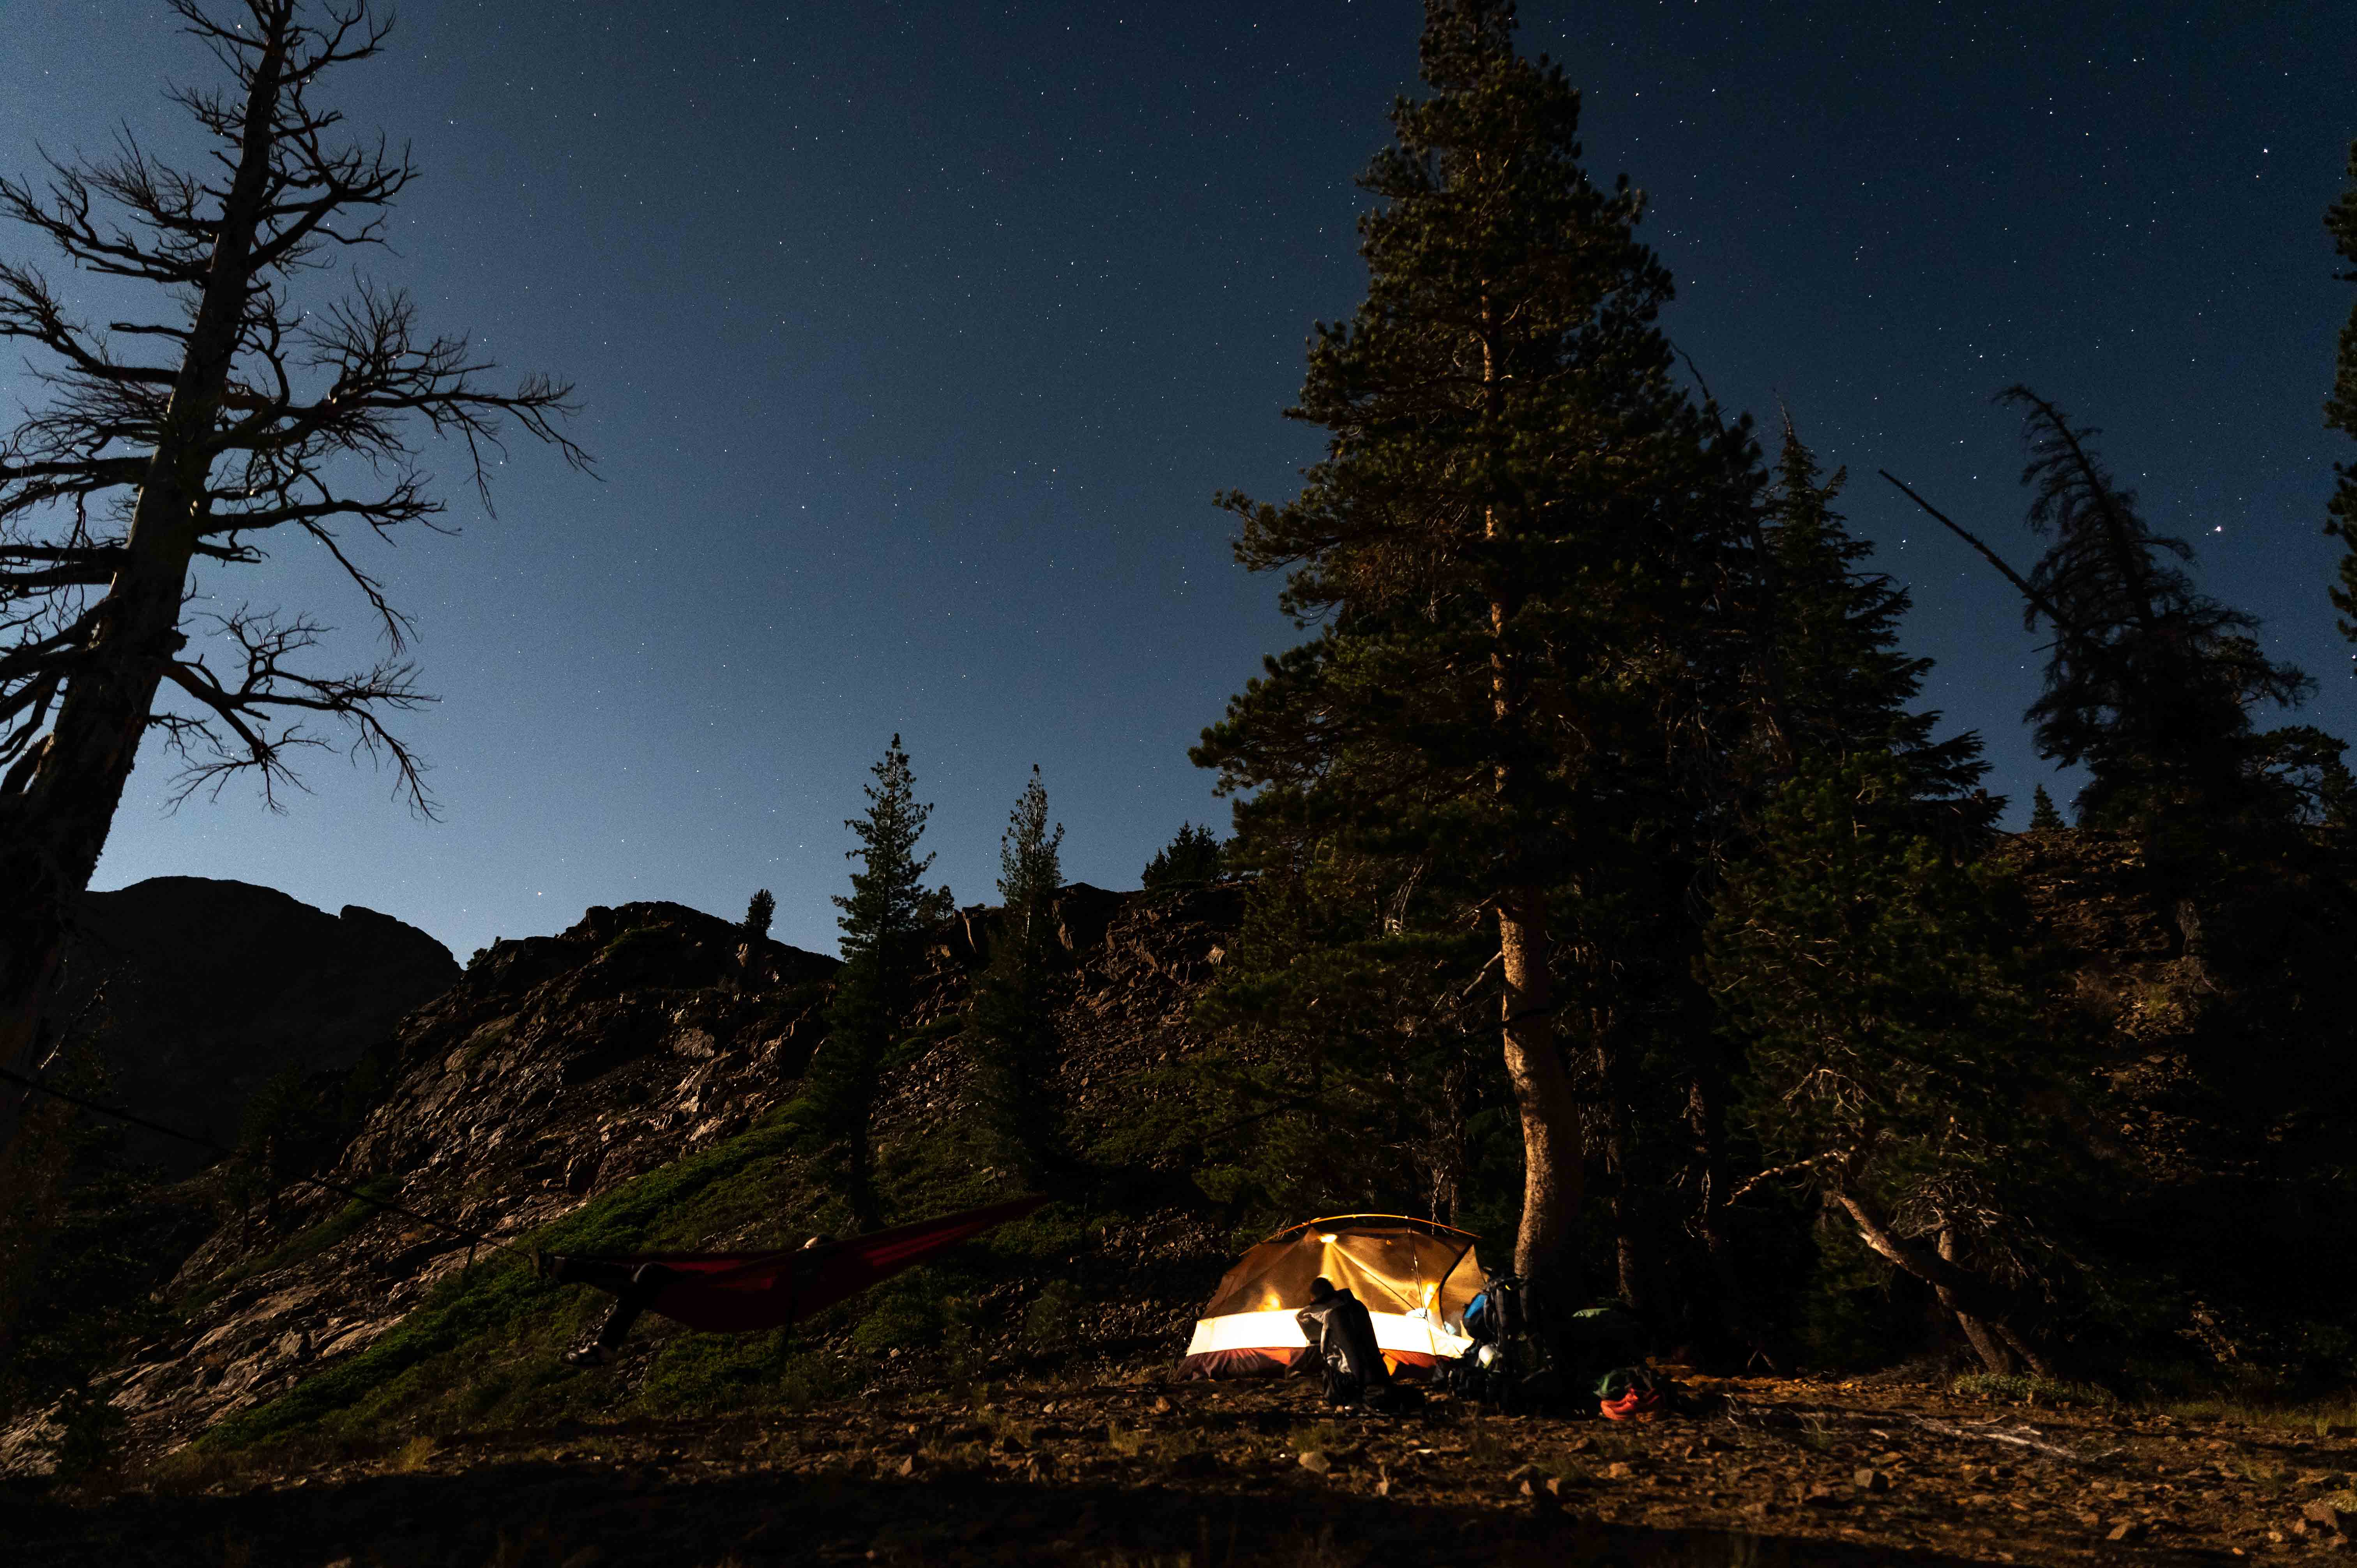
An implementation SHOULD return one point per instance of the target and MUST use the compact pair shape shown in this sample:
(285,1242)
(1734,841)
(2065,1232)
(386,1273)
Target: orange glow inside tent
(1415,1277)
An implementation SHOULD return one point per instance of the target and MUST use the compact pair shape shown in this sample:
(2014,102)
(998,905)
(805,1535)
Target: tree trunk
(1993,1352)
(1628,1244)
(1981,1308)
(1543,1097)
(1706,1116)
(53,829)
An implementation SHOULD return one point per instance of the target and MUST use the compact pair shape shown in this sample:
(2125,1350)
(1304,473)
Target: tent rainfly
(1415,1277)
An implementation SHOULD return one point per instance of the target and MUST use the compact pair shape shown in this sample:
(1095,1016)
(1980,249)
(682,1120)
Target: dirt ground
(1206,1476)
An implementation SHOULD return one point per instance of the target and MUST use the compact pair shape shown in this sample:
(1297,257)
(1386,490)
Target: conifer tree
(1190,858)
(2150,682)
(759,910)
(1510,544)
(1012,1026)
(2341,406)
(1876,980)
(1844,687)
(884,924)
(1344,1068)
(2044,817)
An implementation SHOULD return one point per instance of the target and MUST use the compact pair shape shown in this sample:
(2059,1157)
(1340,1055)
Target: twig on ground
(2016,1436)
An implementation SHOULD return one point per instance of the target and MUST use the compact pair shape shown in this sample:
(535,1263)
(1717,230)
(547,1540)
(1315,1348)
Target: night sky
(914,340)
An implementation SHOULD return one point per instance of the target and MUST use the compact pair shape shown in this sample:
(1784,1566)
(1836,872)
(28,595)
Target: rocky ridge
(189,995)
(559,1069)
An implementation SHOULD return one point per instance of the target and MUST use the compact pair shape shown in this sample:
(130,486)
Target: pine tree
(2341,406)
(1190,859)
(1012,1024)
(2150,682)
(1876,984)
(1510,544)
(1344,1066)
(759,910)
(884,923)
(1842,685)
(2044,817)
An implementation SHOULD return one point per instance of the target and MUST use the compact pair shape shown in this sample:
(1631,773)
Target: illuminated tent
(1415,1278)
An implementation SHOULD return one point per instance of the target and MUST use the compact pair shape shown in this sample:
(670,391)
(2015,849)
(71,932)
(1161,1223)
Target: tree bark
(1981,1308)
(1706,1116)
(1628,1244)
(53,830)
(1543,1097)
(1549,1114)
(1982,1335)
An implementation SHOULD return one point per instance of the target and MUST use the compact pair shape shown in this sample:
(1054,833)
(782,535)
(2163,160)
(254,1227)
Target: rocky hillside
(624,1079)
(629,1084)
(192,994)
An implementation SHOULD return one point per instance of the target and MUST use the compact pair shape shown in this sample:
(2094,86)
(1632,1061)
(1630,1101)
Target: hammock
(736,1292)
(722,1292)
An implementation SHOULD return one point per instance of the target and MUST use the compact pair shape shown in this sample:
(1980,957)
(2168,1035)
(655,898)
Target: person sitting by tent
(1342,1338)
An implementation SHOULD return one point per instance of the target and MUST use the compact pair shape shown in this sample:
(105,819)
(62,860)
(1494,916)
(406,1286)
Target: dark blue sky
(915,338)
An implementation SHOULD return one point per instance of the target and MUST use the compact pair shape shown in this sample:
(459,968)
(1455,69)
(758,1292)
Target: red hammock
(739,1292)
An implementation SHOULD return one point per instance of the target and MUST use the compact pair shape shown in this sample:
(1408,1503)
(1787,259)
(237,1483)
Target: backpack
(1631,1393)
(1510,1365)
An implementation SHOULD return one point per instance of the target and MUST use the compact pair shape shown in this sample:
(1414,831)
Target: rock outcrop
(193,994)
(559,1068)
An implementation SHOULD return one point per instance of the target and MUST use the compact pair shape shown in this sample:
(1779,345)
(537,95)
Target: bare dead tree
(228,417)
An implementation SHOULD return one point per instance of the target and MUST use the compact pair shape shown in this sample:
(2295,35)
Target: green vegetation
(2150,682)
(1605,883)
(308,1242)
(89,1240)
(885,920)
(483,1347)
(1879,986)
(475,1326)
(759,910)
(2341,407)
(2014,1389)
(1011,1020)
(1836,681)
(1190,859)
(1508,556)
(1605,747)
(1322,1437)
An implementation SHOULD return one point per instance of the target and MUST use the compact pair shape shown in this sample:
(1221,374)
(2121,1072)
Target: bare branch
(254,711)
(1991,556)
(269,415)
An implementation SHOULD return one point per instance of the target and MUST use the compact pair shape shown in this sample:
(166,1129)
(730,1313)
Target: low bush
(2017,1390)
